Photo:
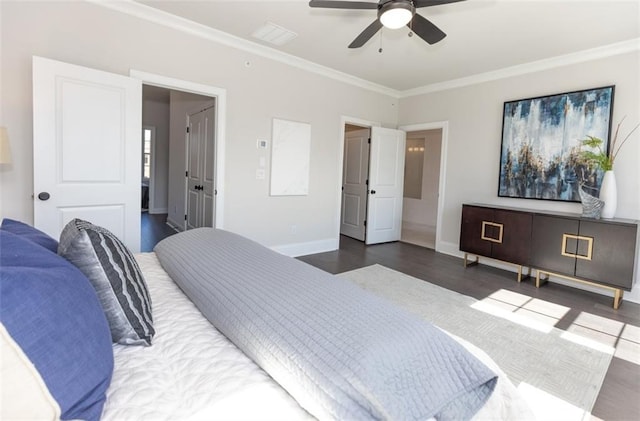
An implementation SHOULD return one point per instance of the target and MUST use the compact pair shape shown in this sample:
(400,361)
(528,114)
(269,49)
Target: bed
(192,371)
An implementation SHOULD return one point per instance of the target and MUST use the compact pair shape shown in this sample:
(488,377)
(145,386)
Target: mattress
(193,372)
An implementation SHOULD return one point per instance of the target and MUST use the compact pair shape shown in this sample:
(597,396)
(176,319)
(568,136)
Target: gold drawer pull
(589,241)
(484,236)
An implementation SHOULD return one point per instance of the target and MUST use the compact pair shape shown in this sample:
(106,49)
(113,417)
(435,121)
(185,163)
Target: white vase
(609,194)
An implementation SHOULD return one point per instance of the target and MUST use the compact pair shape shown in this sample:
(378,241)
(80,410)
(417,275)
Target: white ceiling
(483,36)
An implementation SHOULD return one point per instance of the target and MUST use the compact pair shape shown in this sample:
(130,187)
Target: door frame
(444,125)
(344,120)
(220,95)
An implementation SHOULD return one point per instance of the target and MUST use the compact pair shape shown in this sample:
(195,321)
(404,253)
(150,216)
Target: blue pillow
(51,311)
(30,233)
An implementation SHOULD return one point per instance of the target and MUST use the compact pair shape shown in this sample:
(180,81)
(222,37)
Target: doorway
(371,182)
(179,118)
(433,170)
(421,184)
(155,149)
(182,98)
(148,178)
(427,216)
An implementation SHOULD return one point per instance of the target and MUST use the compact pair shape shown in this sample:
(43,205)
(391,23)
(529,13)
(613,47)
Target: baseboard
(633,295)
(311,247)
(155,211)
(409,224)
(452,249)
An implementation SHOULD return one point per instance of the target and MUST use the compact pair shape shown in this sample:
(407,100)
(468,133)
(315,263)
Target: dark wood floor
(619,398)
(153,229)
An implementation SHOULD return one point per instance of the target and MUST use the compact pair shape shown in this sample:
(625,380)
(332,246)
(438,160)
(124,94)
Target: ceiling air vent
(274,34)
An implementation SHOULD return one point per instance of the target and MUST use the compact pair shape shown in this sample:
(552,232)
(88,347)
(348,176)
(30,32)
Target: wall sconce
(5,149)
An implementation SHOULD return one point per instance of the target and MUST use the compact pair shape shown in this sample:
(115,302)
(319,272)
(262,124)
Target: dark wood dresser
(599,252)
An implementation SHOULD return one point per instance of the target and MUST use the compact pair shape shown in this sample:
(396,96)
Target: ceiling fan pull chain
(380,49)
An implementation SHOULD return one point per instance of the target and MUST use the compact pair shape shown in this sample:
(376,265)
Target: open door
(386,182)
(86,149)
(354,183)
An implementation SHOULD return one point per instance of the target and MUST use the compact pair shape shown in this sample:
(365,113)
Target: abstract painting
(542,138)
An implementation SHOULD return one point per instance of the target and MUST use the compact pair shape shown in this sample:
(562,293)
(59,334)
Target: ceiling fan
(392,14)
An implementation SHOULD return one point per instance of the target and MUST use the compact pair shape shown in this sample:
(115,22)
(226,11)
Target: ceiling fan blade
(425,29)
(427,3)
(366,34)
(343,4)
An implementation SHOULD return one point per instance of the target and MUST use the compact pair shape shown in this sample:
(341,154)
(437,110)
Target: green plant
(600,158)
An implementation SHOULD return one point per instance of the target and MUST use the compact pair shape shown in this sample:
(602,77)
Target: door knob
(373,192)
(44,195)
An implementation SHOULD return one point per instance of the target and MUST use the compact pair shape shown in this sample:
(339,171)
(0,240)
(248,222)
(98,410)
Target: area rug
(559,378)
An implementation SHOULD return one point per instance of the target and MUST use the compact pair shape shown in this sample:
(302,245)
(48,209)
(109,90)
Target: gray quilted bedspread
(341,352)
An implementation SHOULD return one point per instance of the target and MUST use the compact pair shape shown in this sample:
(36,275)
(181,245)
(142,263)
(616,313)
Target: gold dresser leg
(527,276)
(539,279)
(467,263)
(617,298)
(617,292)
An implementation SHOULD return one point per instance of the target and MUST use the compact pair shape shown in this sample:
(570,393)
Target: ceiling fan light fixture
(394,15)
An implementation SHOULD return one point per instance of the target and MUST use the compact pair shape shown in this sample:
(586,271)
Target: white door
(86,149)
(201,169)
(386,182)
(354,184)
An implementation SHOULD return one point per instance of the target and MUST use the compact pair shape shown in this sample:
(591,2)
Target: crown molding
(531,67)
(178,23)
(160,17)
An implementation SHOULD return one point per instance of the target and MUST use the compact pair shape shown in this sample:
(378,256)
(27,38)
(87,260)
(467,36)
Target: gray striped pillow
(116,277)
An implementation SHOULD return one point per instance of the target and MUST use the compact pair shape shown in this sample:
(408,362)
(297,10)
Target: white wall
(475,125)
(89,35)
(155,112)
